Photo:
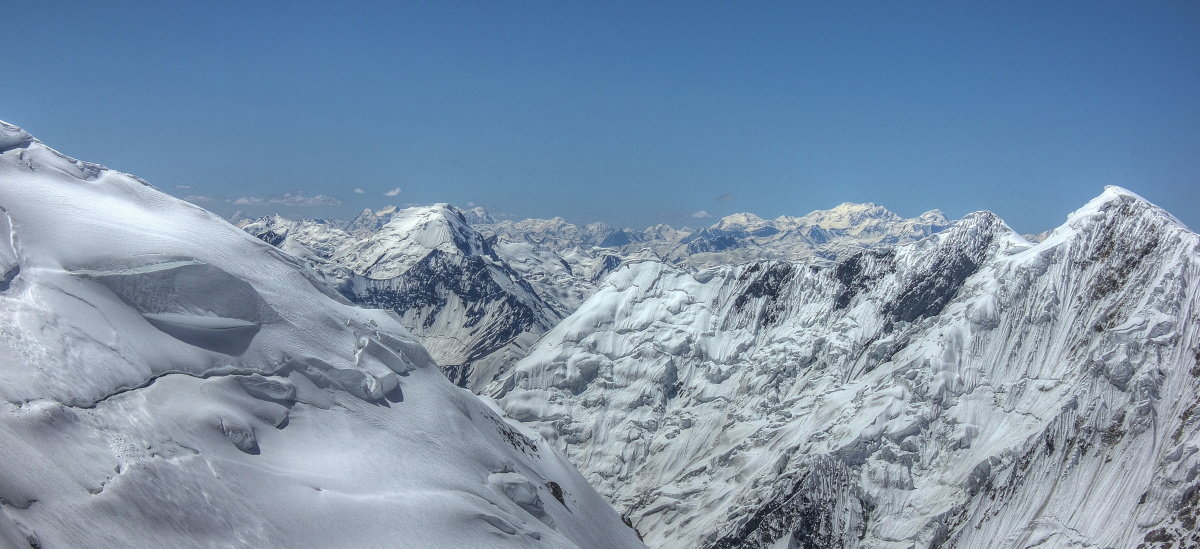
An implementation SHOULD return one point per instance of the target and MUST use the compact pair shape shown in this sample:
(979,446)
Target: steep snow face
(972,389)
(474,312)
(166,380)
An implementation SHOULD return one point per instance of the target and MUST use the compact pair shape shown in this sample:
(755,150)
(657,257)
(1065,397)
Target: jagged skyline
(631,114)
(906,383)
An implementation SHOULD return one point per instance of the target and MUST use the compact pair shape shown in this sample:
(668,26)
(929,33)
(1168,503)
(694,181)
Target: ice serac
(969,389)
(463,301)
(167,380)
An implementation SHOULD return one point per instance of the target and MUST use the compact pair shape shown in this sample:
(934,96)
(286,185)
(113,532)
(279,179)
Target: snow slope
(167,380)
(971,389)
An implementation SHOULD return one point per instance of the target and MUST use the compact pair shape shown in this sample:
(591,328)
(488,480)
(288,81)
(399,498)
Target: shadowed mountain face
(471,310)
(463,312)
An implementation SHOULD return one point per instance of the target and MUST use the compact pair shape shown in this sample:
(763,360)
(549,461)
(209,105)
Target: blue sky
(633,113)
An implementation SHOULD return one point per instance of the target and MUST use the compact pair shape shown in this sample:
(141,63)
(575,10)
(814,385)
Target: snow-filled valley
(846,378)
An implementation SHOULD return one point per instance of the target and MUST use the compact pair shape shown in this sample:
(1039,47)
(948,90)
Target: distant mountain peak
(855,206)
(849,215)
(933,215)
(478,216)
(742,221)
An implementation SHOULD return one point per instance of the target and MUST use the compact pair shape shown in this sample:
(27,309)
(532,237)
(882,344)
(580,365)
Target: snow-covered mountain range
(846,378)
(478,293)
(853,378)
(733,239)
(970,389)
(167,380)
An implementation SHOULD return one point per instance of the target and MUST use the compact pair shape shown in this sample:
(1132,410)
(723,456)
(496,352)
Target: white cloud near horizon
(358,190)
(393,192)
(700,215)
(290,199)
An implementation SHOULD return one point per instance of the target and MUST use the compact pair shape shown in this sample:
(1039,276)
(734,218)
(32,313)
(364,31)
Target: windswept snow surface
(971,389)
(167,380)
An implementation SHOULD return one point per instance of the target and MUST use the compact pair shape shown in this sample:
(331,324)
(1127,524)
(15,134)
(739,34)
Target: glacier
(168,380)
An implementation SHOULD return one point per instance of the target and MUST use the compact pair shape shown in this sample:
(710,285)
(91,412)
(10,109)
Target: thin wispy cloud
(700,215)
(289,199)
(183,187)
(393,192)
(359,191)
(724,198)
(198,199)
